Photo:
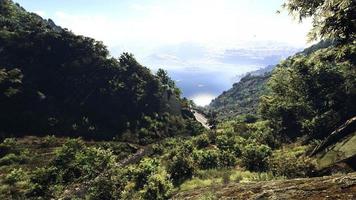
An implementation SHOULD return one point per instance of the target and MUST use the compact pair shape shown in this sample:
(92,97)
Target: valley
(77,122)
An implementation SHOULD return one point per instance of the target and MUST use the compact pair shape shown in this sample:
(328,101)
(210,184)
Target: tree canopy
(332,19)
(53,81)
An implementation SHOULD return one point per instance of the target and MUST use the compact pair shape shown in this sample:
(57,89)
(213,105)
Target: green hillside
(55,82)
(76,123)
(242,98)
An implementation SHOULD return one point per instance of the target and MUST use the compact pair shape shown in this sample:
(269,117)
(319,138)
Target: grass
(214,177)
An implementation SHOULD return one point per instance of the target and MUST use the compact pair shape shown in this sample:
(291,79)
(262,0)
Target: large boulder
(338,147)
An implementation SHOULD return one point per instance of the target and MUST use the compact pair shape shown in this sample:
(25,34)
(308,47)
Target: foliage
(242,98)
(119,149)
(255,157)
(312,94)
(52,80)
(226,159)
(158,187)
(201,141)
(14,185)
(331,19)
(206,159)
(291,163)
(180,167)
(8,146)
(11,153)
(11,158)
(49,141)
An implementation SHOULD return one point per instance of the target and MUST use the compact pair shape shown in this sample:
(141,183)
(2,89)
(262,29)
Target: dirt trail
(201,118)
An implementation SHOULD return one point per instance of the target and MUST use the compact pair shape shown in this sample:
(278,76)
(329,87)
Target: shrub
(142,172)
(12,158)
(14,185)
(74,160)
(263,134)
(224,142)
(212,136)
(201,141)
(291,165)
(158,187)
(49,141)
(8,146)
(102,188)
(206,159)
(227,159)
(121,150)
(157,149)
(255,157)
(41,180)
(15,176)
(180,168)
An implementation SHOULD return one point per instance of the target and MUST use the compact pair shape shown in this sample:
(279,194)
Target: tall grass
(218,177)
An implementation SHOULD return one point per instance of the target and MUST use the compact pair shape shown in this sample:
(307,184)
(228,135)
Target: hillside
(242,98)
(53,81)
(76,123)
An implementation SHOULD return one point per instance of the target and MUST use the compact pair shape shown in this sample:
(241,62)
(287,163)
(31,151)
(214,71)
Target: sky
(203,44)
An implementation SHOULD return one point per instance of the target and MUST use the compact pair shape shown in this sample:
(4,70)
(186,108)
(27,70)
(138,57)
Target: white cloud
(160,33)
(219,24)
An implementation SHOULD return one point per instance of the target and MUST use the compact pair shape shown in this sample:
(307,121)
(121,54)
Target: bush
(12,158)
(223,142)
(121,150)
(41,180)
(291,164)
(180,168)
(157,149)
(49,141)
(227,159)
(255,157)
(141,173)
(103,188)
(8,146)
(263,134)
(14,176)
(74,160)
(14,185)
(206,159)
(201,141)
(158,187)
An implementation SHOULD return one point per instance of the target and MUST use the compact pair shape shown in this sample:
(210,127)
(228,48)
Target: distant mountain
(259,72)
(260,54)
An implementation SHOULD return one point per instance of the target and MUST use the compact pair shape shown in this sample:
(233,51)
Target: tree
(332,19)
(168,83)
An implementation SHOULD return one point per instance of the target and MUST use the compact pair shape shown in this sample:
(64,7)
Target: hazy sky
(181,35)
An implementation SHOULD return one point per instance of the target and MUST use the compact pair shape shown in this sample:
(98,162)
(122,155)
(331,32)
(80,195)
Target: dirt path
(136,157)
(319,188)
(201,118)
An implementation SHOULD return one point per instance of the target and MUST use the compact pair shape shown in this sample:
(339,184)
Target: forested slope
(242,98)
(53,81)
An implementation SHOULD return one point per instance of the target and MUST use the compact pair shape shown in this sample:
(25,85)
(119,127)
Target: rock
(338,147)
